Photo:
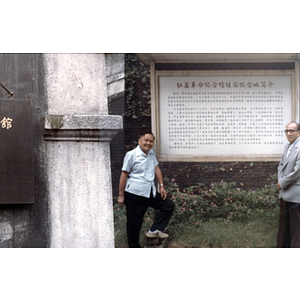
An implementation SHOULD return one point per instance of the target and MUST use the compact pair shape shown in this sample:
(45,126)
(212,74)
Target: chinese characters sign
(224,115)
(223,84)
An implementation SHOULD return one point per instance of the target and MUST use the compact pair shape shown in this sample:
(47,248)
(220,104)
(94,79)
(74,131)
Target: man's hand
(121,200)
(159,178)
(163,192)
(278,186)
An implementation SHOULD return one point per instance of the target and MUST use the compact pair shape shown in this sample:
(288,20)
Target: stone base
(79,173)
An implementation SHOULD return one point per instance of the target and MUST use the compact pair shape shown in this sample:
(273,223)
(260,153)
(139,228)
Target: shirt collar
(141,152)
(291,145)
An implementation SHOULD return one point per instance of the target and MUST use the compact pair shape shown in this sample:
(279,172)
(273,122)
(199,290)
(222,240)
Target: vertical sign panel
(16,148)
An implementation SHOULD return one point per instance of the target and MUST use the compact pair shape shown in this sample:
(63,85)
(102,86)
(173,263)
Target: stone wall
(72,132)
(27,225)
(115,71)
(78,165)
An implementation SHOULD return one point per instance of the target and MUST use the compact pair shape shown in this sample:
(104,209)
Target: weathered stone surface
(81,206)
(78,130)
(26,226)
(82,127)
(74,122)
(72,174)
(76,83)
(115,65)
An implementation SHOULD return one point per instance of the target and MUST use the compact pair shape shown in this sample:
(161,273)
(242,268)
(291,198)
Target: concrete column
(78,131)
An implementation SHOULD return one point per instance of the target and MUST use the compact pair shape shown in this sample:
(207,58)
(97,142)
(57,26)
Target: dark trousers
(136,207)
(289,225)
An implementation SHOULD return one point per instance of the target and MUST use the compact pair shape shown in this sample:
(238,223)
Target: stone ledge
(94,128)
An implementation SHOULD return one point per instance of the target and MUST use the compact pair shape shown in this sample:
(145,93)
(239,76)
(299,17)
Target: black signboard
(16,152)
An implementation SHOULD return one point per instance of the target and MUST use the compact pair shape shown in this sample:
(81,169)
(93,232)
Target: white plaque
(224,115)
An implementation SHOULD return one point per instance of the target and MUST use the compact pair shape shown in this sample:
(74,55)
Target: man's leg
(135,208)
(165,209)
(294,213)
(283,237)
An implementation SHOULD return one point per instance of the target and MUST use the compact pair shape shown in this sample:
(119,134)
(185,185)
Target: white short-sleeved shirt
(141,169)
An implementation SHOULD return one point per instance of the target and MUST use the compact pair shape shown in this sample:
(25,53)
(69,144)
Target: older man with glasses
(289,190)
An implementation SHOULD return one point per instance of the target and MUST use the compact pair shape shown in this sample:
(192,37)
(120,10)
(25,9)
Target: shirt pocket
(134,186)
(140,165)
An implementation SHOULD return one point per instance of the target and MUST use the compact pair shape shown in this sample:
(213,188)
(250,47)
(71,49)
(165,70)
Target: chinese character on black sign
(6,123)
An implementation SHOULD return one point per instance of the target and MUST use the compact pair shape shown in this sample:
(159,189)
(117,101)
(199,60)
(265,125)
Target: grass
(259,232)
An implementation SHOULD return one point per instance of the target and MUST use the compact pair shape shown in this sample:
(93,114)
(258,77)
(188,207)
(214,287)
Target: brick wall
(247,175)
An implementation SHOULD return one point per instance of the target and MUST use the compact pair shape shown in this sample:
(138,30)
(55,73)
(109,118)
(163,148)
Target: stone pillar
(78,130)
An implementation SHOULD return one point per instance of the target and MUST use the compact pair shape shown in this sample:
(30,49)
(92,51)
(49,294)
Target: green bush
(223,200)
(220,201)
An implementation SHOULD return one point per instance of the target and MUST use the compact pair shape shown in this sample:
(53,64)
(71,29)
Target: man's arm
(291,177)
(280,166)
(122,184)
(159,178)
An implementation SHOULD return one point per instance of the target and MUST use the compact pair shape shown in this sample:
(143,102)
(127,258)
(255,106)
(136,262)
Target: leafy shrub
(220,201)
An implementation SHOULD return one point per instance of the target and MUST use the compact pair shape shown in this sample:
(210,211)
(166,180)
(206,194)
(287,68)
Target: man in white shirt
(289,190)
(137,190)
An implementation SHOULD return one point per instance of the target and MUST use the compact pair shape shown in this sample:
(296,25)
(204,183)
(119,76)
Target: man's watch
(162,184)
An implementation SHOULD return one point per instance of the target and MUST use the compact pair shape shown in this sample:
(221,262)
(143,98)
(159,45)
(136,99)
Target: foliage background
(221,215)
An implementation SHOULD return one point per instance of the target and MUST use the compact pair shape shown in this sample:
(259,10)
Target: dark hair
(147,132)
(298,125)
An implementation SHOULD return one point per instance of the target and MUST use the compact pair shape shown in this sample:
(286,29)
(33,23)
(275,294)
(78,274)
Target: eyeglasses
(290,130)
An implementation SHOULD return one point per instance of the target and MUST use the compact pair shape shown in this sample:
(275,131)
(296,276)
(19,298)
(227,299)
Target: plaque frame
(156,111)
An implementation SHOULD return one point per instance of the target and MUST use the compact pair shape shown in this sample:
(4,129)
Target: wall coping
(147,58)
(93,128)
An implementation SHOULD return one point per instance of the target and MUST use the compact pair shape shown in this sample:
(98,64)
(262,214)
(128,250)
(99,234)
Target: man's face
(146,142)
(292,132)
